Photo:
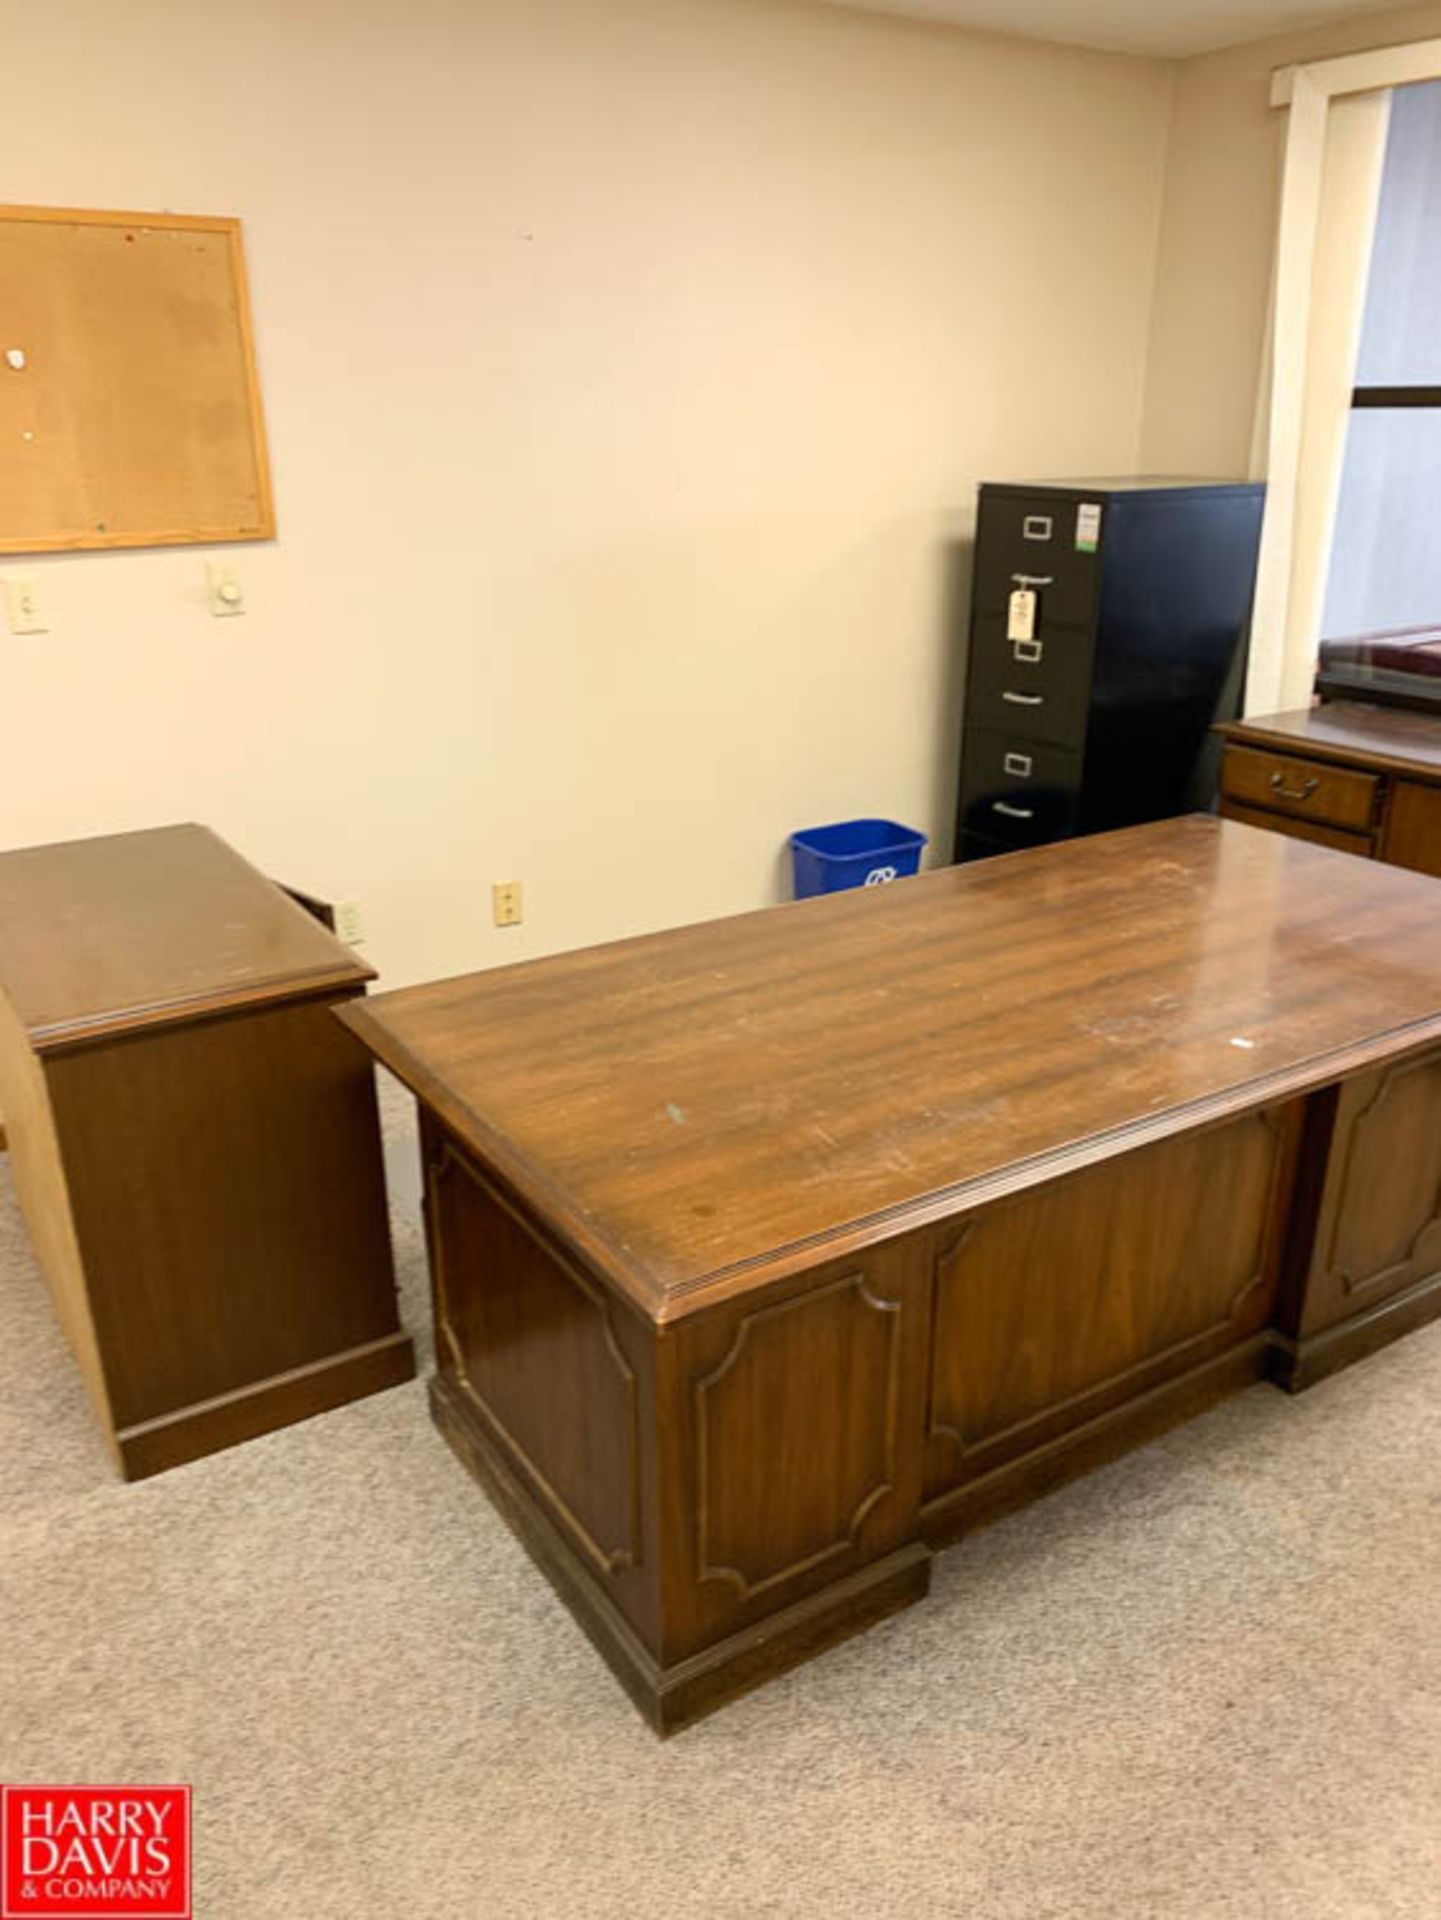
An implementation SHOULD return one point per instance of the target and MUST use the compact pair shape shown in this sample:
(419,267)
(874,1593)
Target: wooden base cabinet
(1361,779)
(1064,1215)
(194,1142)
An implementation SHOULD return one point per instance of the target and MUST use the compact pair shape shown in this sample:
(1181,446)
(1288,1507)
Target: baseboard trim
(152,1446)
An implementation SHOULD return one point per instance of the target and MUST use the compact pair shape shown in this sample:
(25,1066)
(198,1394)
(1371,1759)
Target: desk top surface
(105,936)
(1392,739)
(700,1111)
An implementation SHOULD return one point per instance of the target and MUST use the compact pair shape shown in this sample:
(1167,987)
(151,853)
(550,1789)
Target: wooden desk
(773,1253)
(1364,779)
(194,1141)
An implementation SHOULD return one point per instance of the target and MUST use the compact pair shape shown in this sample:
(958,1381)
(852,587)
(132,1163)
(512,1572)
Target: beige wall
(629,367)
(1218,238)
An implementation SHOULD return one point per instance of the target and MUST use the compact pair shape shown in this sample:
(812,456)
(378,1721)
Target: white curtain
(1330,193)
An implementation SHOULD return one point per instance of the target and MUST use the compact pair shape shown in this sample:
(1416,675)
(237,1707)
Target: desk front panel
(708,1475)
(1379,1230)
(1056,1306)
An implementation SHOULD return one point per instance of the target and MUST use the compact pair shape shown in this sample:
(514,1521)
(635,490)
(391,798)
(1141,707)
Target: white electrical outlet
(349,923)
(22,605)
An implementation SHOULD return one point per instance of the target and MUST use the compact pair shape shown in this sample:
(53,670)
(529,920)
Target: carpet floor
(1205,1681)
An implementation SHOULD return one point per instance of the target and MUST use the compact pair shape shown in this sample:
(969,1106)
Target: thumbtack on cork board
(129,401)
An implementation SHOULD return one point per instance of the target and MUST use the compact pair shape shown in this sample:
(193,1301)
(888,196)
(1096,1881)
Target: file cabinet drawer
(977,846)
(1040,691)
(1030,540)
(1304,789)
(1016,790)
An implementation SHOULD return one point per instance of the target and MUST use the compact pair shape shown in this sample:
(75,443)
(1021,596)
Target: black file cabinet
(1108,635)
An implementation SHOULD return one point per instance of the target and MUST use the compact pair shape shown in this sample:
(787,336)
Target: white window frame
(1282,643)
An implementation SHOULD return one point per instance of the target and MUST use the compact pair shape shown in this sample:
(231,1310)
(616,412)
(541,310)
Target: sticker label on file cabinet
(1088,526)
(1021,615)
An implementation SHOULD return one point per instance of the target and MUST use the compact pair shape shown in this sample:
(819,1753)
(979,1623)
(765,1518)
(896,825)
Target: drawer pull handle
(1034,579)
(1307,787)
(1013,813)
(1024,699)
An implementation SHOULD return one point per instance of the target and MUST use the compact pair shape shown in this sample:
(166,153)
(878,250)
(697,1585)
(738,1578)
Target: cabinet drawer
(1304,789)
(976,846)
(1016,791)
(1296,829)
(1034,537)
(1039,692)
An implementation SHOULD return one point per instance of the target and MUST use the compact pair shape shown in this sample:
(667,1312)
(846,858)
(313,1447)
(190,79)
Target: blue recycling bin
(853,853)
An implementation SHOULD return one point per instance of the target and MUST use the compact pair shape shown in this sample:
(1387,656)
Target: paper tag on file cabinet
(1021,615)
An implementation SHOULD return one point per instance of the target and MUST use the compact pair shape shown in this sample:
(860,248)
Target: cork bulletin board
(129,406)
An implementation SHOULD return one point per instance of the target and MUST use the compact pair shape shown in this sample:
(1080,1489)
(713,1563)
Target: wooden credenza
(772,1254)
(194,1141)
(1364,779)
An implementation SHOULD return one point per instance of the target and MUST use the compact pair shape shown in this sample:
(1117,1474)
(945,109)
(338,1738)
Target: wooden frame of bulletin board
(129,402)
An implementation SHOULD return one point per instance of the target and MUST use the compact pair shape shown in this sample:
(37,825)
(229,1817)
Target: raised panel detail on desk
(1051,1306)
(796,1434)
(529,1341)
(1382,1228)
(1413,827)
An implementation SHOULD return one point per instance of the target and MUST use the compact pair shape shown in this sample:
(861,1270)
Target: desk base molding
(672,1697)
(190,1433)
(1297,1364)
(1030,1476)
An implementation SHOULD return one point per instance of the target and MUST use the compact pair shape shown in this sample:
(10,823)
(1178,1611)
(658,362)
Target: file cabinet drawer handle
(1307,787)
(1013,813)
(1033,579)
(1024,699)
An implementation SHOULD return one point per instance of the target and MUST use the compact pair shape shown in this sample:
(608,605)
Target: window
(1385,569)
